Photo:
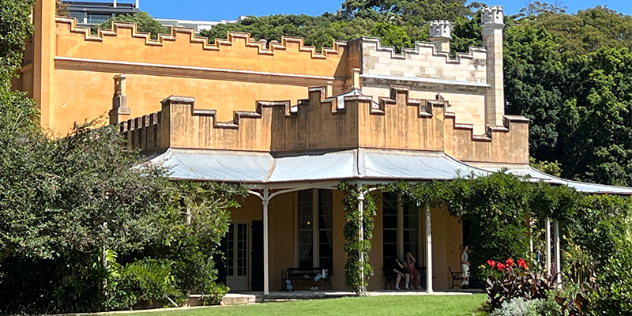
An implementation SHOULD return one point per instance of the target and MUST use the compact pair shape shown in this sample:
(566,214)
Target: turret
(441,34)
(492,22)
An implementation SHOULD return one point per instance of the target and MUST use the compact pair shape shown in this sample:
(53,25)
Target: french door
(237,257)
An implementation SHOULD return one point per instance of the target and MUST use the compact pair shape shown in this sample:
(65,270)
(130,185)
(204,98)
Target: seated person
(411,267)
(398,270)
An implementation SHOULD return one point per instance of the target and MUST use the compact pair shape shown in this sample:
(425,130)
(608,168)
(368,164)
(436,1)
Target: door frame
(248,250)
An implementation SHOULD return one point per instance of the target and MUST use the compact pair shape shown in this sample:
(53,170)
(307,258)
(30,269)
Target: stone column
(120,112)
(44,46)
(440,35)
(492,22)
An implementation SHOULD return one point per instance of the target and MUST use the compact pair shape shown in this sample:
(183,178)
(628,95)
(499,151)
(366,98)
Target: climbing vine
(502,211)
(357,268)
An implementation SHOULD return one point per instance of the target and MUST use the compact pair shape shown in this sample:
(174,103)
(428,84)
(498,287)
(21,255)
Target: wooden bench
(306,274)
(456,276)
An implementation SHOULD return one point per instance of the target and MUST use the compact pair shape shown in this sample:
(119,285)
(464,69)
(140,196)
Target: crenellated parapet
(181,125)
(324,123)
(424,61)
(184,48)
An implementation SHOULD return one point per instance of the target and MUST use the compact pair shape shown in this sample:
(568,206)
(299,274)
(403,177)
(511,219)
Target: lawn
(435,305)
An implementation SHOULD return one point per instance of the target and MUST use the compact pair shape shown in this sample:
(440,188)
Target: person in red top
(411,267)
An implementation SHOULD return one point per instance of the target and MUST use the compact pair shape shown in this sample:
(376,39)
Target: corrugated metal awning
(537,175)
(368,164)
(254,167)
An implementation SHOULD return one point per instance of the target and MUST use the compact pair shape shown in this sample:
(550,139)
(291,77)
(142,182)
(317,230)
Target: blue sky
(227,10)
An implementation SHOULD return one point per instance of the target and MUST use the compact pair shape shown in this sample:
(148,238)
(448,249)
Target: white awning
(254,167)
(356,164)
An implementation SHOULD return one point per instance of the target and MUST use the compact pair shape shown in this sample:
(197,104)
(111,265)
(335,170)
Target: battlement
(183,48)
(422,62)
(324,122)
(440,29)
(492,15)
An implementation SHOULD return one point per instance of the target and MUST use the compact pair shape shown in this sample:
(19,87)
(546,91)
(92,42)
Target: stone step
(238,299)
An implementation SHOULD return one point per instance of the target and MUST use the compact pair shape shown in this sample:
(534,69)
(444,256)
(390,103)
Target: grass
(435,305)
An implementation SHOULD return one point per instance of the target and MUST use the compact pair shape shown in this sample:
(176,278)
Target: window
(401,233)
(95,18)
(315,243)
(389,209)
(77,15)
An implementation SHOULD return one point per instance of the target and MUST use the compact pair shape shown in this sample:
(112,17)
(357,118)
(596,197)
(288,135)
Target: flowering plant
(509,280)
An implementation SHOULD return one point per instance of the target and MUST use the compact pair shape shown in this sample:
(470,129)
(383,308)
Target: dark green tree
(595,118)
(533,79)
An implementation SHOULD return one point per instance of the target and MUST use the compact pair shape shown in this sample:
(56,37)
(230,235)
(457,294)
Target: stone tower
(492,22)
(441,34)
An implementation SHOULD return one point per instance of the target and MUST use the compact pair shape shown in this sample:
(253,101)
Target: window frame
(420,256)
(316,202)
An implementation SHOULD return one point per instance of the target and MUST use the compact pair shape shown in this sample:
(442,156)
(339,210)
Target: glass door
(237,257)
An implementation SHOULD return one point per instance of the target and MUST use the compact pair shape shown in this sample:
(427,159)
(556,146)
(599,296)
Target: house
(290,124)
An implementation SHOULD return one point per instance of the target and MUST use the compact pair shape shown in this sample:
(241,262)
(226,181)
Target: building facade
(290,124)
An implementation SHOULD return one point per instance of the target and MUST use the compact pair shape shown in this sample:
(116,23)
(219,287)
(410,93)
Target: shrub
(519,307)
(509,281)
(144,281)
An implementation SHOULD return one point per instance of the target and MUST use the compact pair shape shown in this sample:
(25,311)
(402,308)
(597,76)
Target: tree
(533,83)
(536,8)
(415,12)
(587,31)
(391,35)
(62,8)
(144,23)
(319,31)
(595,118)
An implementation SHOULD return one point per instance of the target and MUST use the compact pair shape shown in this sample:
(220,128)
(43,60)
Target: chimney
(137,5)
(492,22)
(120,112)
(440,35)
(114,3)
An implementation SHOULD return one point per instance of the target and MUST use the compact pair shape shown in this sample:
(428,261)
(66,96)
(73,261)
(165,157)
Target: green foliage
(317,31)
(356,248)
(14,29)
(587,31)
(391,35)
(596,116)
(518,307)
(144,23)
(532,85)
(143,281)
(415,12)
(552,168)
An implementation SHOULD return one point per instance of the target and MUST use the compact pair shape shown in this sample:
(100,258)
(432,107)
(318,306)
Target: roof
(352,164)
(255,167)
(537,175)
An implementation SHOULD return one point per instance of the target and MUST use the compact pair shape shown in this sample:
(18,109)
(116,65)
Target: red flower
(522,264)
(510,262)
(491,263)
(500,266)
